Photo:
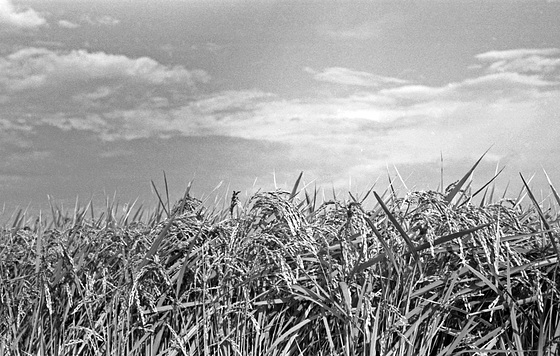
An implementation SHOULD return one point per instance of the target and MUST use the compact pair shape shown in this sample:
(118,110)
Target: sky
(98,98)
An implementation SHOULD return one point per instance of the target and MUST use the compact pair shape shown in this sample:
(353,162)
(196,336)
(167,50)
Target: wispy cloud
(105,20)
(67,24)
(517,53)
(363,30)
(345,76)
(488,87)
(543,60)
(108,20)
(12,17)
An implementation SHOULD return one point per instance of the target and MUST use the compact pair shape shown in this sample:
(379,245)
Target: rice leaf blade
(449,197)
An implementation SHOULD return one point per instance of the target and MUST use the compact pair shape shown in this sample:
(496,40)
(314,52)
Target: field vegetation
(460,271)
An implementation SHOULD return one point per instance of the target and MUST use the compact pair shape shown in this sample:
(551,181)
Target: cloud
(357,132)
(57,80)
(67,24)
(345,76)
(365,30)
(105,20)
(15,18)
(516,53)
(208,115)
(33,68)
(542,60)
(208,47)
(108,20)
(488,87)
(91,122)
(362,31)
(366,128)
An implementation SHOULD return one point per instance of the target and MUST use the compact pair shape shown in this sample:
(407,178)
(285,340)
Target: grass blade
(543,218)
(554,192)
(294,189)
(450,237)
(484,186)
(398,226)
(441,186)
(161,236)
(160,200)
(166,191)
(388,250)
(288,333)
(449,197)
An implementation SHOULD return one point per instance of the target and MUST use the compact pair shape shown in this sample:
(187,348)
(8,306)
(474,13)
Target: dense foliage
(428,273)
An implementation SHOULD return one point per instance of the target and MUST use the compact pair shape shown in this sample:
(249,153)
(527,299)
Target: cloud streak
(100,20)
(543,60)
(345,76)
(362,31)
(67,24)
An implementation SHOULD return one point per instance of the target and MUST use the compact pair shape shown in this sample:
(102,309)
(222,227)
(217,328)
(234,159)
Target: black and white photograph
(279,177)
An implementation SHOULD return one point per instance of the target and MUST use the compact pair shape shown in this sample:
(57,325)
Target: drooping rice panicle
(284,273)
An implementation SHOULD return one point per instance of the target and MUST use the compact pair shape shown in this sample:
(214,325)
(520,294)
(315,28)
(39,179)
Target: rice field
(447,272)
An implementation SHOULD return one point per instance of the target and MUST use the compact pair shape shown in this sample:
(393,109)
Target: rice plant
(286,273)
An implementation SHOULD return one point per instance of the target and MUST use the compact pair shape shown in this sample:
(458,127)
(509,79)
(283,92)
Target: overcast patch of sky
(345,110)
